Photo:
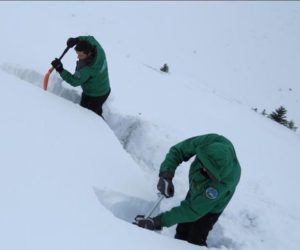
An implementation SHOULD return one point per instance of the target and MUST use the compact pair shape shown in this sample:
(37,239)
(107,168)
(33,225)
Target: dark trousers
(196,232)
(93,103)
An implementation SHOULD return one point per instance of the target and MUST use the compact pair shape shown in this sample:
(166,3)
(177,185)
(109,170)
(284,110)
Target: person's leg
(84,102)
(101,101)
(93,103)
(182,231)
(199,229)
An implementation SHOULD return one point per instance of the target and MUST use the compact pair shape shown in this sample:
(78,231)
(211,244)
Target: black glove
(165,186)
(148,223)
(57,65)
(72,42)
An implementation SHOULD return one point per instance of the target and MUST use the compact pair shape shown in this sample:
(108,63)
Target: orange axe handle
(46,78)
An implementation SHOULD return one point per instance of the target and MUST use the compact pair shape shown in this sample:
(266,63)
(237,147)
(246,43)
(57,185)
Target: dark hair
(85,47)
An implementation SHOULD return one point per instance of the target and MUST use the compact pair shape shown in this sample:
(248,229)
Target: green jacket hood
(218,158)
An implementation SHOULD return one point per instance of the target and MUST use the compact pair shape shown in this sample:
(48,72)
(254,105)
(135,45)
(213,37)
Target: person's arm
(194,208)
(183,151)
(77,79)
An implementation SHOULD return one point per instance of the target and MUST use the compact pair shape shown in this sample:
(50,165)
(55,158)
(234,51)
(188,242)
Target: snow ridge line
(35,78)
(27,75)
(145,142)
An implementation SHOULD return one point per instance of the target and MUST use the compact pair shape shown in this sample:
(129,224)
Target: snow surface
(69,180)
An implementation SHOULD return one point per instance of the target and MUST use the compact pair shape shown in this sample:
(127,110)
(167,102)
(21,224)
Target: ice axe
(149,213)
(156,204)
(46,78)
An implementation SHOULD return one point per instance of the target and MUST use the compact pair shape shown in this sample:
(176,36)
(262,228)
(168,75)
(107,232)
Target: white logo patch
(211,193)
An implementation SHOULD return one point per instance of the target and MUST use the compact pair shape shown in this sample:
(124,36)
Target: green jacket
(92,76)
(206,195)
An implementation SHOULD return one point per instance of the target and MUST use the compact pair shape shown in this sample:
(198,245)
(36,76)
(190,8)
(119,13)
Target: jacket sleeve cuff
(166,175)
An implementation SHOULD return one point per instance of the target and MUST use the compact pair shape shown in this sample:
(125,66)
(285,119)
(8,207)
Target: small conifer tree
(264,113)
(291,125)
(279,115)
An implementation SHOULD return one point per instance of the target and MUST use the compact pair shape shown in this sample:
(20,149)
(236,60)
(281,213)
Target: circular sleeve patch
(211,193)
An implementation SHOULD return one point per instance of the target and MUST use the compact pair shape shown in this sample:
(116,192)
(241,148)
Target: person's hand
(71,42)
(165,187)
(148,223)
(56,63)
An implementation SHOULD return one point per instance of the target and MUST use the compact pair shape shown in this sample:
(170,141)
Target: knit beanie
(85,47)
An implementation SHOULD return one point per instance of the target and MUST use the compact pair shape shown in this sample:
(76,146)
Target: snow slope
(69,180)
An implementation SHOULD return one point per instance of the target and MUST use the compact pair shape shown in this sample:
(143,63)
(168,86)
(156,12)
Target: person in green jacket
(213,177)
(91,72)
